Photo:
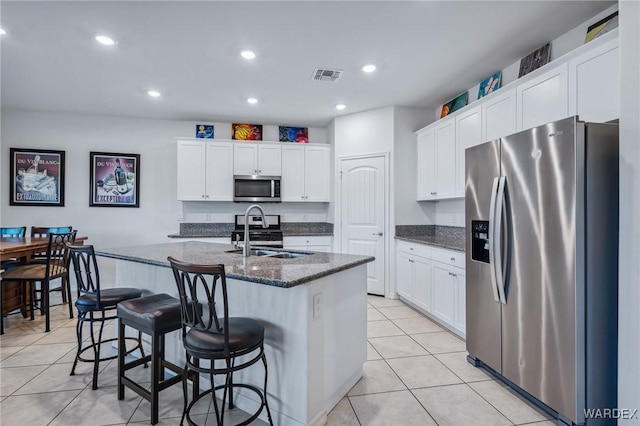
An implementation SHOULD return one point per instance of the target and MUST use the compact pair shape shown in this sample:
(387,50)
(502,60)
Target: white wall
(153,139)
(560,46)
(364,133)
(221,211)
(407,210)
(629,266)
(451,212)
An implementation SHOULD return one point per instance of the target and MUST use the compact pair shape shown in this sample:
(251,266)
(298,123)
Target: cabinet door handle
(453,258)
(450,274)
(434,193)
(411,248)
(202,195)
(454,275)
(411,261)
(379,234)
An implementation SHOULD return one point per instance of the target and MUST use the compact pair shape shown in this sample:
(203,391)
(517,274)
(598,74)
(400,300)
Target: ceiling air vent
(325,74)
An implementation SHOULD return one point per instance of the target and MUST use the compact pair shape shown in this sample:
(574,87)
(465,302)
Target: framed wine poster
(37,177)
(114,180)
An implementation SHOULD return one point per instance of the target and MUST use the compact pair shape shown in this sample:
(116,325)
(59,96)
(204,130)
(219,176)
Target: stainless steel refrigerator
(541,211)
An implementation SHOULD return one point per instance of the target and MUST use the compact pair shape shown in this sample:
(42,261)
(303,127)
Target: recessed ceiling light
(247,54)
(369,68)
(107,41)
(2,32)
(340,107)
(252,100)
(153,93)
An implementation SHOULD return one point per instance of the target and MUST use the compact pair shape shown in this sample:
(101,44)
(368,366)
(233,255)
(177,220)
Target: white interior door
(362,212)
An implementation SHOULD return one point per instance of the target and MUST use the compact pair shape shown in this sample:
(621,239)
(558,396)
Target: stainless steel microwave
(255,188)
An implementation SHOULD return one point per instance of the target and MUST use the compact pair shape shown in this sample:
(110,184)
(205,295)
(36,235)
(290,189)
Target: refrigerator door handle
(492,263)
(497,239)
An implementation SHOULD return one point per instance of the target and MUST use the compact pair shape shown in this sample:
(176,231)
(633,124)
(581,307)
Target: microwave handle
(273,188)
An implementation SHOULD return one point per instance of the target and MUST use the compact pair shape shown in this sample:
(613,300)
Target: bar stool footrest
(109,358)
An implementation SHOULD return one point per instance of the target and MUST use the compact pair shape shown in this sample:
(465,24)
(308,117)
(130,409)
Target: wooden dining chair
(15,232)
(55,266)
(43,232)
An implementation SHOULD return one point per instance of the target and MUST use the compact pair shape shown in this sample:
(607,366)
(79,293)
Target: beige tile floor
(416,374)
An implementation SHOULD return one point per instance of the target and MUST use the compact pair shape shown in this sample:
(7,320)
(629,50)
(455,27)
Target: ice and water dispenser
(480,240)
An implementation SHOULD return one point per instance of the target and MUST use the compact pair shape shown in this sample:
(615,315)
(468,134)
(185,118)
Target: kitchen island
(313,307)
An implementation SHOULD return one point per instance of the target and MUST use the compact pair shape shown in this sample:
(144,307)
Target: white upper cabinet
(257,159)
(445,160)
(204,171)
(245,159)
(499,116)
(269,160)
(436,162)
(426,154)
(293,176)
(306,173)
(317,177)
(543,99)
(219,175)
(191,171)
(594,84)
(468,134)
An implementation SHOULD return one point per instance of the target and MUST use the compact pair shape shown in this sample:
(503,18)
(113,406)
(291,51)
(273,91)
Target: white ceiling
(426,53)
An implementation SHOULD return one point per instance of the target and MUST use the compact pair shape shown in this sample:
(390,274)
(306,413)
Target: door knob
(379,234)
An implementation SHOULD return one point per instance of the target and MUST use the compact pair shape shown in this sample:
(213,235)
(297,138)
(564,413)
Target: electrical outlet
(180,218)
(207,217)
(317,305)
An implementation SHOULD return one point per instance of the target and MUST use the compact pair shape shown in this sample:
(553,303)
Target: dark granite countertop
(201,235)
(306,234)
(451,243)
(263,270)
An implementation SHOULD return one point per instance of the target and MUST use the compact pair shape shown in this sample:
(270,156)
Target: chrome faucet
(246,250)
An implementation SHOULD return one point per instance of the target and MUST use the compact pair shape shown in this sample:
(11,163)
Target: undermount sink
(271,253)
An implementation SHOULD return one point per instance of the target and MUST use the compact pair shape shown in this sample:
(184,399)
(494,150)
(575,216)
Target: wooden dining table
(15,295)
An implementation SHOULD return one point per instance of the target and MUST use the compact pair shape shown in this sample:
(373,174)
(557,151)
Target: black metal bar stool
(210,334)
(93,304)
(156,316)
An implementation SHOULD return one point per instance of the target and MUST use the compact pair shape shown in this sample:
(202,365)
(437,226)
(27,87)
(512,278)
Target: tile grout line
(354,410)
(491,405)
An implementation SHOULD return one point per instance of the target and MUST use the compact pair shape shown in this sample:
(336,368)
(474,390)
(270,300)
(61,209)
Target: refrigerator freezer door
(539,330)
(483,311)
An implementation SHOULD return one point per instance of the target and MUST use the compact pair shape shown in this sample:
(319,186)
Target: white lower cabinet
(444,292)
(405,277)
(431,280)
(309,243)
(422,276)
(461,296)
